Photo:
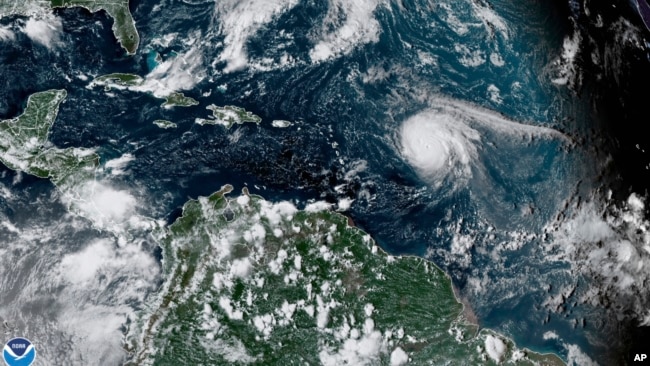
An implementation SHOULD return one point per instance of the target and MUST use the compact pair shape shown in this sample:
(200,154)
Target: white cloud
(468,57)
(117,165)
(233,350)
(82,267)
(577,357)
(45,30)
(112,203)
(490,19)
(494,93)
(239,20)
(612,246)
(398,357)
(281,123)
(496,59)
(6,34)
(495,348)
(362,351)
(103,260)
(106,207)
(443,141)
(182,72)
(439,144)
(550,335)
(231,312)
(461,246)
(635,203)
(89,292)
(317,206)
(566,64)
(344,204)
(241,268)
(346,25)
(101,282)
(275,212)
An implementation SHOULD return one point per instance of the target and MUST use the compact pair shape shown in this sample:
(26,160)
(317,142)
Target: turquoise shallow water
(152,60)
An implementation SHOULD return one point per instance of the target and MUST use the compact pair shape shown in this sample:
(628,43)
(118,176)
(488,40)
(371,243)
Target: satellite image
(334,182)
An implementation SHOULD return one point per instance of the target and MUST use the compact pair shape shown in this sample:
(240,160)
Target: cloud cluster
(346,25)
(611,246)
(443,141)
(44,30)
(439,145)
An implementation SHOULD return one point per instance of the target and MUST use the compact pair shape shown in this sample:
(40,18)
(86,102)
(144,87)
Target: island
(118,80)
(164,124)
(248,281)
(228,116)
(280,123)
(178,100)
(134,82)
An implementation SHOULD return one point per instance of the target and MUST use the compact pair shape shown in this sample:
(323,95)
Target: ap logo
(19,352)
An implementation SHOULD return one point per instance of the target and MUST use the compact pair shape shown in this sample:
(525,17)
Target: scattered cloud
(116,166)
(44,30)
(346,25)
(239,20)
(182,72)
(6,34)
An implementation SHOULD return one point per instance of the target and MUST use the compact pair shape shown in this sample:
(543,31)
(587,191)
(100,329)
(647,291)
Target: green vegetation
(179,100)
(252,282)
(126,81)
(228,116)
(247,281)
(164,123)
(123,23)
(23,143)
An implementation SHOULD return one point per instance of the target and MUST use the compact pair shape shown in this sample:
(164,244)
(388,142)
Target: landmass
(24,146)
(123,24)
(118,80)
(247,281)
(133,82)
(179,100)
(164,124)
(279,123)
(228,116)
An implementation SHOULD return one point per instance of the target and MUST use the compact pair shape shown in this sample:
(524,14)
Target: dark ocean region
(614,59)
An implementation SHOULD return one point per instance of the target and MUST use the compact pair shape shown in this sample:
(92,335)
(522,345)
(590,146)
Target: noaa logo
(19,352)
